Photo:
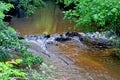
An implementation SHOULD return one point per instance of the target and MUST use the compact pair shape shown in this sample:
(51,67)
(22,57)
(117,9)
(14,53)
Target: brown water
(49,20)
(99,65)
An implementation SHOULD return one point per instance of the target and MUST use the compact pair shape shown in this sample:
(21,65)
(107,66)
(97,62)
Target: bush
(30,6)
(102,13)
(7,72)
(9,41)
(11,70)
(47,72)
(30,60)
(117,53)
(11,48)
(26,6)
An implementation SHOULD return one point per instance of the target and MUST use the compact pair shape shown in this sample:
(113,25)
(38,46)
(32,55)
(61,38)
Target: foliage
(27,6)
(30,6)
(4,7)
(47,71)
(10,70)
(116,42)
(29,59)
(9,41)
(66,2)
(103,13)
(9,45)
(117,53)
(7,71)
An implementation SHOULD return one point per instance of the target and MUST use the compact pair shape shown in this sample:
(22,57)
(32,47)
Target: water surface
(46,20)
(99,64)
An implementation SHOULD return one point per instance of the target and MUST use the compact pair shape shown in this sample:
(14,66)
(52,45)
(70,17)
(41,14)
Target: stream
(48,20)
(73,59)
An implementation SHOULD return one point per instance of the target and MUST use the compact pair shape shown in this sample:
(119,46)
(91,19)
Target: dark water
(49,20)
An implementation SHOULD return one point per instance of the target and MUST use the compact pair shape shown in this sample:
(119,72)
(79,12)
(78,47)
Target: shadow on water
(46,20)
(49,20)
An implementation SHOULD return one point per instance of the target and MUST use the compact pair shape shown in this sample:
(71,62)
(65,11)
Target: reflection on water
(46,20)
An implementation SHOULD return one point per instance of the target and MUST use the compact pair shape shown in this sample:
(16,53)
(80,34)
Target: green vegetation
(103,14)
(8,44)
(8,72)
(8,37)
(46,72)
(95,15)
(29,59)
(14,70)
(26,6)
(30,6)
(117,53)
(16,63)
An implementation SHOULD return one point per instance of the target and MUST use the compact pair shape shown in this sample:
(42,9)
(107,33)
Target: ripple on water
(99,65)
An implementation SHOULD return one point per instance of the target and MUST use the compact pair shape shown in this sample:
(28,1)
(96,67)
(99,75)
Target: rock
(62,39)
(19,37)
(94,40)
(72,34)
(47,36)
(75,34)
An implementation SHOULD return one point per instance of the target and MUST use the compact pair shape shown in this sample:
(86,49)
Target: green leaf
(18,61)
(2,15)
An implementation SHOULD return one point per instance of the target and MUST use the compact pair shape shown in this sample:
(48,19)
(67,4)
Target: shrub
(102,13)
(9,45)
(9,41)
(26,6)
(7,72)
(31,60)
(117,53)
(47,72)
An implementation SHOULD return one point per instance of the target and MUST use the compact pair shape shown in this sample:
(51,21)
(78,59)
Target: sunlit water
(49,20)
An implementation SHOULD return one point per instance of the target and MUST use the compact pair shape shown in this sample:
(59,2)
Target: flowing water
(99,65)
(49,21)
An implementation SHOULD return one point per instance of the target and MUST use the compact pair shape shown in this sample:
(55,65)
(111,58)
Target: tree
(102,13)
